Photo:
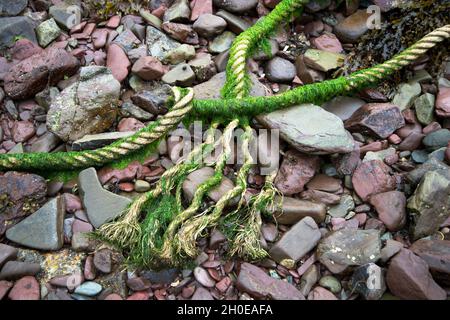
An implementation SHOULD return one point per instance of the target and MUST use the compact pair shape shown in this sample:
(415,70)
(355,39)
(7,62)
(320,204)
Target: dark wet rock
(408,277)
(101,206)
(380,119)
(296,170)
(372,177)
(166,276)
(430,204)
(13,27)
(88,106)
(349,247)
(35,73)
(432,164)
(298,241)
(236,6)
(353,27)
(310,129)
(368,281)
(391,209)
(235,24)
(43,229)
(293,210)
(95,141)
(102,260)
(7,253)
(437,139)
(14,270)
(259,285)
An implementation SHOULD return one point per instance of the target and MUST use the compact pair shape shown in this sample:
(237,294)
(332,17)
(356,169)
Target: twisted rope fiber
(60,161)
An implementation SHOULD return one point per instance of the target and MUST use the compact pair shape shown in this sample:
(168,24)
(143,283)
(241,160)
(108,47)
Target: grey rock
(45,143)
(420,156)
(353,27)
(95,141)
(235,24)
(181,75)
(437,139)
(236,6)
(12,8)
(14,270)
(47,31)
(129,109)
(344,206)
(101,206)
(310,129)
(88,106)
(343,107)
(330,283)
(368,280)
(159,43)
(166,276)
(349,247)
(66,14)
(297,242)
(153,100)
(13,27)
(203,67)
(127,41)
(406,95)
(180,54)
(309,279)
(141,186)
(430,204)
(280,70)
(222,42)
(179,11)
(424,106)
(208,90)
(208,25)
(263,55)
(43,229)
(7,253)
(432,164)
(46,97)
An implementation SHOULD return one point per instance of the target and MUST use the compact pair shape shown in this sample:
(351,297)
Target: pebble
(89,288)
(203,277)
(141,186)
(209,25)
(222,42)
(26,288)
(330,283)
(368,281)
(391,209)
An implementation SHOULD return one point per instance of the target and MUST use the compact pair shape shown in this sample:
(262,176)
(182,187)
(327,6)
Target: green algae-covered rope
(61,161)
(237,85)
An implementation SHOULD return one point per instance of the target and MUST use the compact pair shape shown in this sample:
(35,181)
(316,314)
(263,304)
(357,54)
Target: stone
(194,179)
(13,27)
(436,253)
(101,206)
(348,247)
(222,42)
(5,286)
(127,41)
(319,293)
(153,101)
(89,106)
(343,107)
(353,27)
(429,206)
(95,141)
(424,106)
(296,170)
(443,102)
(217,238)
(323,60)
(117,61)
(328,42)
(325,183)
(297,242)
(390,249)
(310,129)
(345,205)
(14,270)
(408,277)
(181,32)
(372,177)
(330,283)
(180,54)
(22,131)
(432,164)
(406,95)
(208,90)
(138,284)
(368,281)
(293,210)
(12,8)
(45,143)
(148,68)
(380,155)
(179,11)
(88,288)
(203,67)
(158,43)
(66,14)
(309,279)
(203,277)
(43,229)
(166,276)
(280,70)
(259,285)
(411,142)
(142,186)
(235,24)
(181,75)
(47,31)
(202,294)
(102,260)
(236,6)
(128,109)
(391,209)
(200,7)
(34,74)
(379,119)
(7,253)
(26,288)
(209,25)
(437,139)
